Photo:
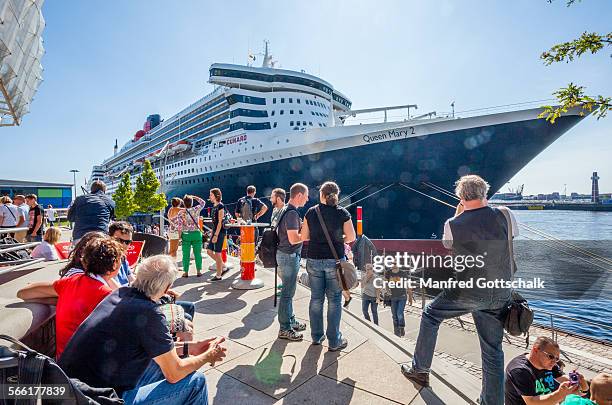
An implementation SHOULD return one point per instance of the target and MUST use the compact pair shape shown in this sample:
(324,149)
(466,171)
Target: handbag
(175,316)
(346,273)
(518,317)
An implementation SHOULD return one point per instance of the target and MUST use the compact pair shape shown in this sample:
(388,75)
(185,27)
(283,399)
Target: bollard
(247,260)
(224,250)
(359,221)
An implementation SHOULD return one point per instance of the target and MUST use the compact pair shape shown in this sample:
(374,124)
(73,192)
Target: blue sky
(108,64)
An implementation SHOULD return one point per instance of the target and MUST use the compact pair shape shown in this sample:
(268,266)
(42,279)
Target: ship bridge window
(239,98)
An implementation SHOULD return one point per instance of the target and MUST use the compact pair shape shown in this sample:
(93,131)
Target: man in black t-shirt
(250,208)
(535,377)
(35,230)
(288,258)
(125,344)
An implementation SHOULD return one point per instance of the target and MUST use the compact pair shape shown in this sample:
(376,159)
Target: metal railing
(11,261)
(550,315)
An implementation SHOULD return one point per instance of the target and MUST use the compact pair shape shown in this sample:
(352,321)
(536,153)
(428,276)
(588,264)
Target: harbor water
(572,252)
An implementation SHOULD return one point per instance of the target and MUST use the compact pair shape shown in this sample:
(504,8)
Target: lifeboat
(178,147)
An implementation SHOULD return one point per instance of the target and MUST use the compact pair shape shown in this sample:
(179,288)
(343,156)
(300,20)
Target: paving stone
(280,367)
(323,390)
(252,331)
(370,369)
(234,350)
(223,390)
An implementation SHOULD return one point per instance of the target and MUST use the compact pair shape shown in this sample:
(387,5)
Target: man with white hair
(481,232)
(125,344)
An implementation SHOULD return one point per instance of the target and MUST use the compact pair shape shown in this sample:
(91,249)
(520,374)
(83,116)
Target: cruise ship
(272,127)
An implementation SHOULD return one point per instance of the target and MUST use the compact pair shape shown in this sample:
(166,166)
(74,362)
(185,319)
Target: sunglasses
(124,241)
(550,356)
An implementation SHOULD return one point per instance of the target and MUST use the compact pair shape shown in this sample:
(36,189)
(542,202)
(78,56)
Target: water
(578,282)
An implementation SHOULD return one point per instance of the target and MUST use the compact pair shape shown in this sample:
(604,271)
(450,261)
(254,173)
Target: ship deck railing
(439,115)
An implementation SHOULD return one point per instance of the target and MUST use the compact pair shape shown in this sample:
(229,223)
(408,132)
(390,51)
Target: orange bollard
(247,260)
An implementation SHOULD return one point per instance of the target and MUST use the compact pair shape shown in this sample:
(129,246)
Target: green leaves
(146,197)
(567,51)
(573,96)
(124,198)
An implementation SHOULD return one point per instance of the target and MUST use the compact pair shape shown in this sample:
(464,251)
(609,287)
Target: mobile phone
(574,378)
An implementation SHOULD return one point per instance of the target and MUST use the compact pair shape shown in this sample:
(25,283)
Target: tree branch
(573,96)
(567,51)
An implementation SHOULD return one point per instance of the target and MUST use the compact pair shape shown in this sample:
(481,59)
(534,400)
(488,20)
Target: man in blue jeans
(288,258)
(476,230)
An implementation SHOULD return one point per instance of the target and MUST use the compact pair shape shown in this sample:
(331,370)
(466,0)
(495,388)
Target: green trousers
(192,238)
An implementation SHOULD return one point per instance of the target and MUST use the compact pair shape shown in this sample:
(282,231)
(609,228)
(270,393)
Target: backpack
(227,219)
(269,243)
(27,366)
(246,209)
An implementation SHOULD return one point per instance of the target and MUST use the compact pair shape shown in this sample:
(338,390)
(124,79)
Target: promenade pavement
(260,369)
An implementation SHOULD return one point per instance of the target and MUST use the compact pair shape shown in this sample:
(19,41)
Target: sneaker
(290,335)
(215,278)
(342,345)
(420,378)
(185,275)
(298,326)
(318,342)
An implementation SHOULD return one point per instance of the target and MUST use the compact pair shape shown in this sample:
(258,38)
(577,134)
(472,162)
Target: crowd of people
(113,330)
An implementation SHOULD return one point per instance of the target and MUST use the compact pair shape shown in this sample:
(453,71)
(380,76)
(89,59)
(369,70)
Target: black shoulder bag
(518,315)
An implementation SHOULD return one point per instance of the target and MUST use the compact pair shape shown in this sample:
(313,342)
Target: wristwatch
(185,349)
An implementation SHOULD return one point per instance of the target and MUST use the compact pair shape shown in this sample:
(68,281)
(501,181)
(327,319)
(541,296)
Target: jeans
(490,328)
(323,282)
(152,388)
(192,238)
(288,267)
(366,302)
(188,307)
(397,312)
